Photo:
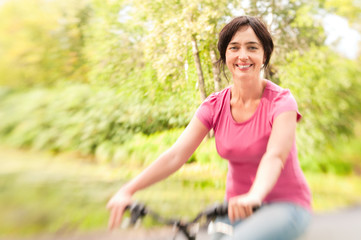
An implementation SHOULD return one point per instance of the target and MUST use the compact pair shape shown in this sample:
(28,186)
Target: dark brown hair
(259,28)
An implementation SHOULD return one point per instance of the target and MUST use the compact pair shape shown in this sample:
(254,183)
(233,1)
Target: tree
(349,9)
(328,93)
(294,25)
(113,48)
(176,27)
(41,41)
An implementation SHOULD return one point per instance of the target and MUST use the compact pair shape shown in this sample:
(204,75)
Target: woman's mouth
(243,67)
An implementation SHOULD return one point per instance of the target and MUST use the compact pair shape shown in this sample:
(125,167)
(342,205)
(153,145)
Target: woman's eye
(253,48)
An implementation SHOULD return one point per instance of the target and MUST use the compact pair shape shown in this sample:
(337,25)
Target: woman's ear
(264,60)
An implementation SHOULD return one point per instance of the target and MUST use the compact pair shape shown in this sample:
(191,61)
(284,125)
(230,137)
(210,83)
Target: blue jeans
(273,221)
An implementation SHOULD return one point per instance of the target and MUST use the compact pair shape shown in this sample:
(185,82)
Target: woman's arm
(270,167)
(166,164)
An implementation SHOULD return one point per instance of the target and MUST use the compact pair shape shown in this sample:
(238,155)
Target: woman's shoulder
(275,92)
(280,100)
(209,110)
(217,96)
(273,87)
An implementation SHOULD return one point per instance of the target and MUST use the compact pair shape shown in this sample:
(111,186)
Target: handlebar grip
(137,210)
(216,210)
(220,210)
(224,207)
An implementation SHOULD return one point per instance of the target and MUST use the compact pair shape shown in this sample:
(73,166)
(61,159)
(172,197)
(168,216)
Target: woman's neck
(244,91)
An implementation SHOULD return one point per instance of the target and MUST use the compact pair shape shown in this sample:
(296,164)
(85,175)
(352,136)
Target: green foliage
(342,158)
(41,42)
(173,25)
(58,197)
(143,149)
(327,90)
(349,9)
(131,58)
(112,46)
(78,117)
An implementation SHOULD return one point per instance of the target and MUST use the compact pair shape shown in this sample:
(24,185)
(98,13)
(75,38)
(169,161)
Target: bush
(327,90)
(79,117)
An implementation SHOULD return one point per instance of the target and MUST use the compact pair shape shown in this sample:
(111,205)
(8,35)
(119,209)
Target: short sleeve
(205,112)
(284,102)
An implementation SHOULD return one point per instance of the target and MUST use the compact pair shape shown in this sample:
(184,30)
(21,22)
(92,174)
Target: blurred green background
(91,91)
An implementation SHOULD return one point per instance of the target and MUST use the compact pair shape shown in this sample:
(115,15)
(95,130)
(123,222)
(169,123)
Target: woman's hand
(241,206)
(116,206)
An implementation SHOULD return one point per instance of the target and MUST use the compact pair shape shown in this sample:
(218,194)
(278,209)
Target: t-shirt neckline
(228,103)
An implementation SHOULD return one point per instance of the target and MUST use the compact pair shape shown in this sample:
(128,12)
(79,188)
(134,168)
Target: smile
(243,66)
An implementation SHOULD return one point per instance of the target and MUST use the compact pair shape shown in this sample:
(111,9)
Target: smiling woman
(245,55)
(256,32)
(254,123)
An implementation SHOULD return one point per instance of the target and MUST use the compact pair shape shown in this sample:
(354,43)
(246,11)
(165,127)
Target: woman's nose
(243,56)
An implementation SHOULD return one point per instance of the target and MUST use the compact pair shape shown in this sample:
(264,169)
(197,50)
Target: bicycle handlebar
(139,210)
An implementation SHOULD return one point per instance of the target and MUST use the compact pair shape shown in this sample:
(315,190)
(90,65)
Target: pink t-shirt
(243,144)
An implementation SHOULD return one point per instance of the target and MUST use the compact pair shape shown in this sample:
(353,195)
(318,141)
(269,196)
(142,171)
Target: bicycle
(189,229)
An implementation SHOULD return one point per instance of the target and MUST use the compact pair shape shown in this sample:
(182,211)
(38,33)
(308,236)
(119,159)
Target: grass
(38,195)
(332,191)
(43,193)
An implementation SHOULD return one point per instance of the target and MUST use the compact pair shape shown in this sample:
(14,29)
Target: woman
(254,123)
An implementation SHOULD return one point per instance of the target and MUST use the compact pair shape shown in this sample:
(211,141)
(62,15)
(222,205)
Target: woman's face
(245,54)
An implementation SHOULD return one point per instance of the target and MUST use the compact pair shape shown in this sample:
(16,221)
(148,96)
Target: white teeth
(243,66)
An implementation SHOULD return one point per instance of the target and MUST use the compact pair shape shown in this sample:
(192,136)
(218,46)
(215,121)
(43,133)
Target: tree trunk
(202,89)
(197,60)
(215,69)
